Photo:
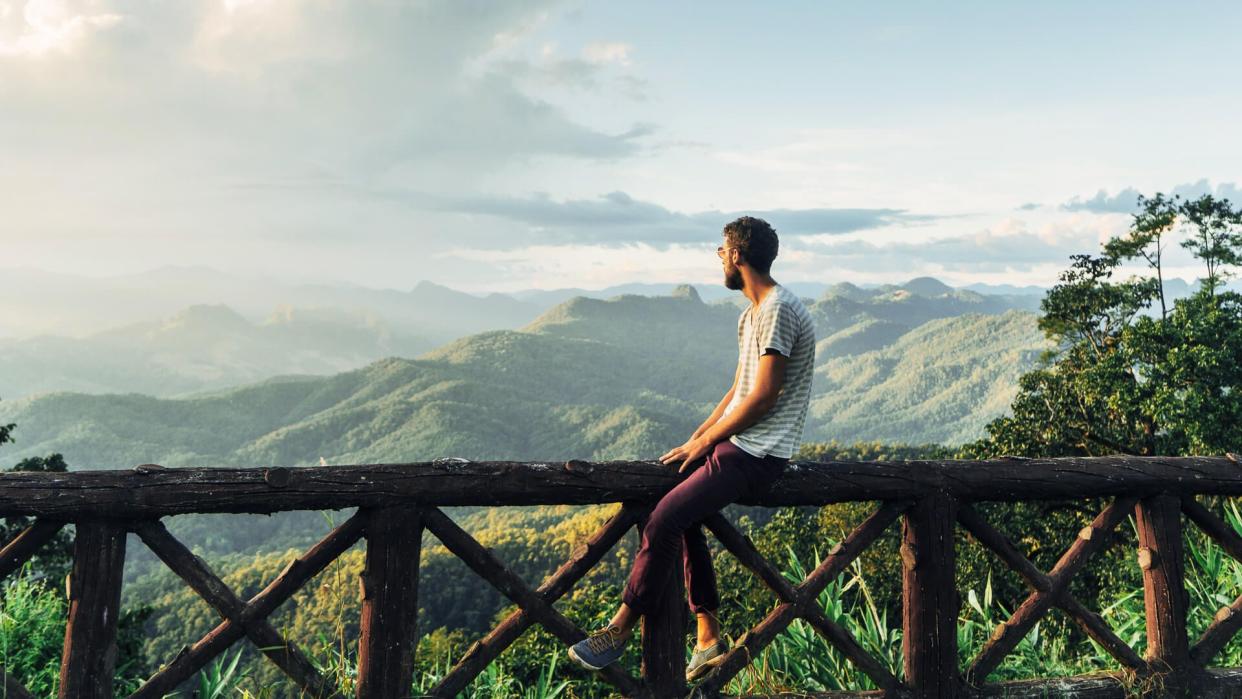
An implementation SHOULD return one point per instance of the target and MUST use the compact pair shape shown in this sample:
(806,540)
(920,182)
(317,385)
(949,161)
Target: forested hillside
(589,379)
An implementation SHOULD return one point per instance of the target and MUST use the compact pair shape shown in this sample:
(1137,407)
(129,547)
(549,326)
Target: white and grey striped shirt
(782,323)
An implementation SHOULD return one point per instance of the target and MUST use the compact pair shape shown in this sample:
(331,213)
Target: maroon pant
(676,522)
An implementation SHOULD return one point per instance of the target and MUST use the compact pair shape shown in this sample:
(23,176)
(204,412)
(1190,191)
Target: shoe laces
(605,639)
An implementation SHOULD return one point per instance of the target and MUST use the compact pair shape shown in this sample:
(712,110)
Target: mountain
(939,383)
(73,306)
(200,348)
(214,346)
(590,379)
(708,292)
(850,319)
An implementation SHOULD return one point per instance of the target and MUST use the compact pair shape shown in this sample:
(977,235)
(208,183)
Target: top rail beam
(148,491)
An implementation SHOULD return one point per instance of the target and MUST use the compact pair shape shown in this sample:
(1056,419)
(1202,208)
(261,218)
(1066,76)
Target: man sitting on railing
(746,441)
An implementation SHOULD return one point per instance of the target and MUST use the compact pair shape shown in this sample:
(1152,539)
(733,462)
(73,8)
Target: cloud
(607,52)
(1009,245)
(1126,201)
(600,66)
(37,27)
(616,218)
(259,87)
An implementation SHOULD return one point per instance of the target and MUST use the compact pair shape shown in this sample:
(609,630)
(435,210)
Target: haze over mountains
(200,348)
(624,377)
(44,303)
(176,331)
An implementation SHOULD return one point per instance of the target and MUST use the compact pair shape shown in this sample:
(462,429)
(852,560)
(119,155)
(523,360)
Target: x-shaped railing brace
(1048,589)
(800,601)
(535,606)
(244,618)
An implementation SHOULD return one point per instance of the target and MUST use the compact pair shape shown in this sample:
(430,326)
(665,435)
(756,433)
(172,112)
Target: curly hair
(755,239)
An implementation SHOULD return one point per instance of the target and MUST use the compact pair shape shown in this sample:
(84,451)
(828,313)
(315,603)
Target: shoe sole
(705,667)
(574,657)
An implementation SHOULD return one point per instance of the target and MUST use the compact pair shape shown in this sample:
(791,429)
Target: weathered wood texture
(25,544)
(806,607)
(195,572)
(152,493)
(387,633)
(929,599)
(1228,619)
(752,643)
(1091,540)
(193,658)
(580,562)
(1090,622)
(483,562)
(12,688)
(1160,556)
(89,657)
(398,500)
(663,638)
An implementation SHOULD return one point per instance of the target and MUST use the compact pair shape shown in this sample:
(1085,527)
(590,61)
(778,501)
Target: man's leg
(701,585)
(704,492)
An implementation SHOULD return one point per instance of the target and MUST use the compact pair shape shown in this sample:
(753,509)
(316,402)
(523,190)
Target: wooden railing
(398,502)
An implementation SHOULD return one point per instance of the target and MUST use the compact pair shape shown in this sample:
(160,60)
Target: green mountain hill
(940,383)
(623,378)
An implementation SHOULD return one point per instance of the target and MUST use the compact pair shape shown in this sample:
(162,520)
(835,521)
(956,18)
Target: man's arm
(756,404)
(720,407)
(753,407)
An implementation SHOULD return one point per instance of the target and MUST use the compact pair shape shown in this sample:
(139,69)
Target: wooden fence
(398,502)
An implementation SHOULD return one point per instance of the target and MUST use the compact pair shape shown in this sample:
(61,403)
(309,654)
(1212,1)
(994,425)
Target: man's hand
(688,454)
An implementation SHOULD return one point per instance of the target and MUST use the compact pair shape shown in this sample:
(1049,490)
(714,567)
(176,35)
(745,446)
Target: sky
(509,145)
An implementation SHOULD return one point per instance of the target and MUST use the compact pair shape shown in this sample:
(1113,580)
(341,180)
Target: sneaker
(600,648)
(702,661)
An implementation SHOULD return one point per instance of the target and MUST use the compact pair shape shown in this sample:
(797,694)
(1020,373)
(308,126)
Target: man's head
(756,244)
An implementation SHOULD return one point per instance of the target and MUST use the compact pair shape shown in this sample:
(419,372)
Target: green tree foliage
(33,607)
(54,559)
(1128,374)
(1124,378)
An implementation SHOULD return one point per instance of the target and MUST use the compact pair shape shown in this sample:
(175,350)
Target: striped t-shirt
(782,323)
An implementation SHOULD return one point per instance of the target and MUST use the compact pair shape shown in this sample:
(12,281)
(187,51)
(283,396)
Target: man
(744,446)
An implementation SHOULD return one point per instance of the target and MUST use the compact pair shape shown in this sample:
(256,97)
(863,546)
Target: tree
(1121,379)
(42,584)
(54,559)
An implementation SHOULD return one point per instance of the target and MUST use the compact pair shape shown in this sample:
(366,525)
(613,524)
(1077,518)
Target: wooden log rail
(398,502)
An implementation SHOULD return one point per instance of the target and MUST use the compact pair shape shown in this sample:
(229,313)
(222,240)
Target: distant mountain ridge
(202,347)
(79,306)
(595,379)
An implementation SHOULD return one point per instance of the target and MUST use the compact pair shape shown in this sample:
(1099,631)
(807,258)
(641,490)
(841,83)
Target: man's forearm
(748,412)
(715,416)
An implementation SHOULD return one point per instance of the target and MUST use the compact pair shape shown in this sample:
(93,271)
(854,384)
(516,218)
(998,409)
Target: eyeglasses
(720,251)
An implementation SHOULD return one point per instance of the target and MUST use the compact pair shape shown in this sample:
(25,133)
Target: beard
(733,279)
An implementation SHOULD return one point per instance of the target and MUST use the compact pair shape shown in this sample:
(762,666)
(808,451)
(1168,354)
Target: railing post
(388,634)
(1160,556)
(929,598)
(89,657)
(664,639)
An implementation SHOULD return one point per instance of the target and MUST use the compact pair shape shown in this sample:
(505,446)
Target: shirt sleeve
(778,328)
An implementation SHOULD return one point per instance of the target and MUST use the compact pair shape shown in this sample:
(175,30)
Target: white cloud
(37,27)
(614,52)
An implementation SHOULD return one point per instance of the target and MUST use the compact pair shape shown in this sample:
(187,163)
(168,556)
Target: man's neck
(758,289)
